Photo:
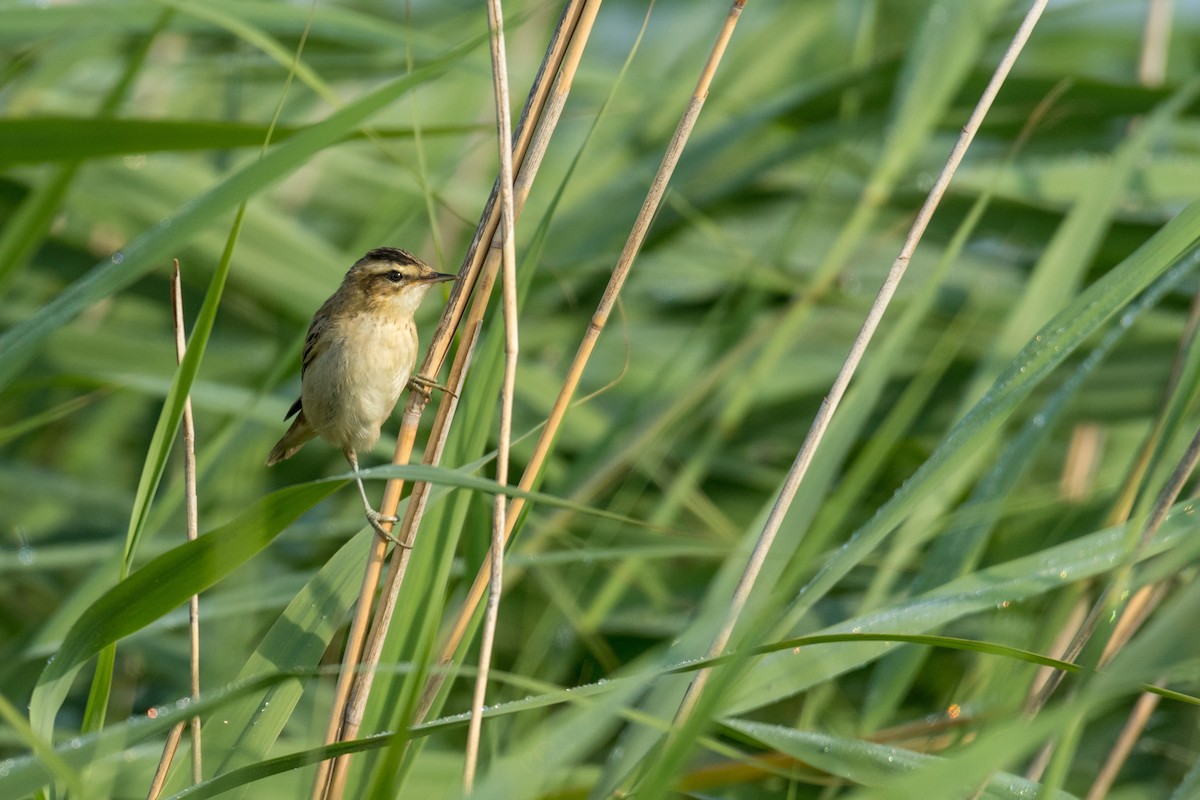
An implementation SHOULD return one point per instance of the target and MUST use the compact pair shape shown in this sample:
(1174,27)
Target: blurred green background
(130,133)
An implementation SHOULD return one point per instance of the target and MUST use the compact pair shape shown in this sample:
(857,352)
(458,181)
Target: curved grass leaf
(33,140)
(442,476)
(21,776)
(782,675)
(168,424)
(172,411)
(249,727)
(163,584)
(1156,651)
(960,546)
(864,762)
(168,580)
(169,420)
(856,758)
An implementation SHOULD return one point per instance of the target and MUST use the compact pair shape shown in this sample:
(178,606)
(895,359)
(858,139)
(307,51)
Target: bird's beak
(438,277)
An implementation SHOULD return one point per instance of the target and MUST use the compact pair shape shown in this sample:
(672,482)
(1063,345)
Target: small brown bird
(358,357)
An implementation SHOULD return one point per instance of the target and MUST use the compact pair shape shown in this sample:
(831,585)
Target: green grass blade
(163,584)
(781,675)
(961,545)
(27,774)
(56,767)
(864,762)
(250,725)
(34,140)
(1065,333)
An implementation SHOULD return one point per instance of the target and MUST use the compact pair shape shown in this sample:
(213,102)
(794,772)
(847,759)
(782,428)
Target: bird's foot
(376,521)
(421,385)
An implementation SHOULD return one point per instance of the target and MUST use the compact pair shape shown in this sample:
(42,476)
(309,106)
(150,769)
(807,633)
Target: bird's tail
(295,438)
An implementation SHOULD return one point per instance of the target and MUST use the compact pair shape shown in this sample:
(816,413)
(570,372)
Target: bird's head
(389,276)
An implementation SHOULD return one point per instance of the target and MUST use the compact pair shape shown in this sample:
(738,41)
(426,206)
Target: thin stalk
(361,687)
(1166,498)
(1125,503)
(192,514)
(1123,506)
(193,528)
(1054,757)
(1133,728)
(164,762)
(608,301)
(511,348)
(538,119)
(1042,688)
(1137,612)
(1133,616)
(354,638)
(829,405)
(567,50)
(1152,63)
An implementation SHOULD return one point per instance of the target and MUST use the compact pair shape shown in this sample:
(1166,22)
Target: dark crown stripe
(394,254)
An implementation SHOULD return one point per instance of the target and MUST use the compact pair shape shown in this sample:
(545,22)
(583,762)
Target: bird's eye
(395,276)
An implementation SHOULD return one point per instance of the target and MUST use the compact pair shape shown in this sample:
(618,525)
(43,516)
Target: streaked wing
(314,343)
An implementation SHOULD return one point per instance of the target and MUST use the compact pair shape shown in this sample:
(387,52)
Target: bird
(358,356)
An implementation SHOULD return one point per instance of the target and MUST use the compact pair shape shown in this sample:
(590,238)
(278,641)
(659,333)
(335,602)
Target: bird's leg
(421,385)
(375,519)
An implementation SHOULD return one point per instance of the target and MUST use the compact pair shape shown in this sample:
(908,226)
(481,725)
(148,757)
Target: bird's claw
(376,521)
(422,385)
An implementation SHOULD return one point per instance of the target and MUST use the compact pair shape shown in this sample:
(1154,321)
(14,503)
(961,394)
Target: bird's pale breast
(350,389)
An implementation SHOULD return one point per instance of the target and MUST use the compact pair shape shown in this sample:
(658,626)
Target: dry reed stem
(1048,679)
(600,317)
(1152,63)
(829,404)
(539,118)
(361,687)
(1158,514)
(416,508)
(1143,603)
(511,348)
(1128,737)
(192,514)
(193,531)
(1133,482)
(606,473)
(1136,612)
(1139,608)
(350,656)
(1058,648)
(363,678)
(582,22)
(1084,455)
(1162,505)
(164,762)
(485,270)
(1037,700)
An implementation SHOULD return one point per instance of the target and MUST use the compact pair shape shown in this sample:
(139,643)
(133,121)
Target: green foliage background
(1050,295)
